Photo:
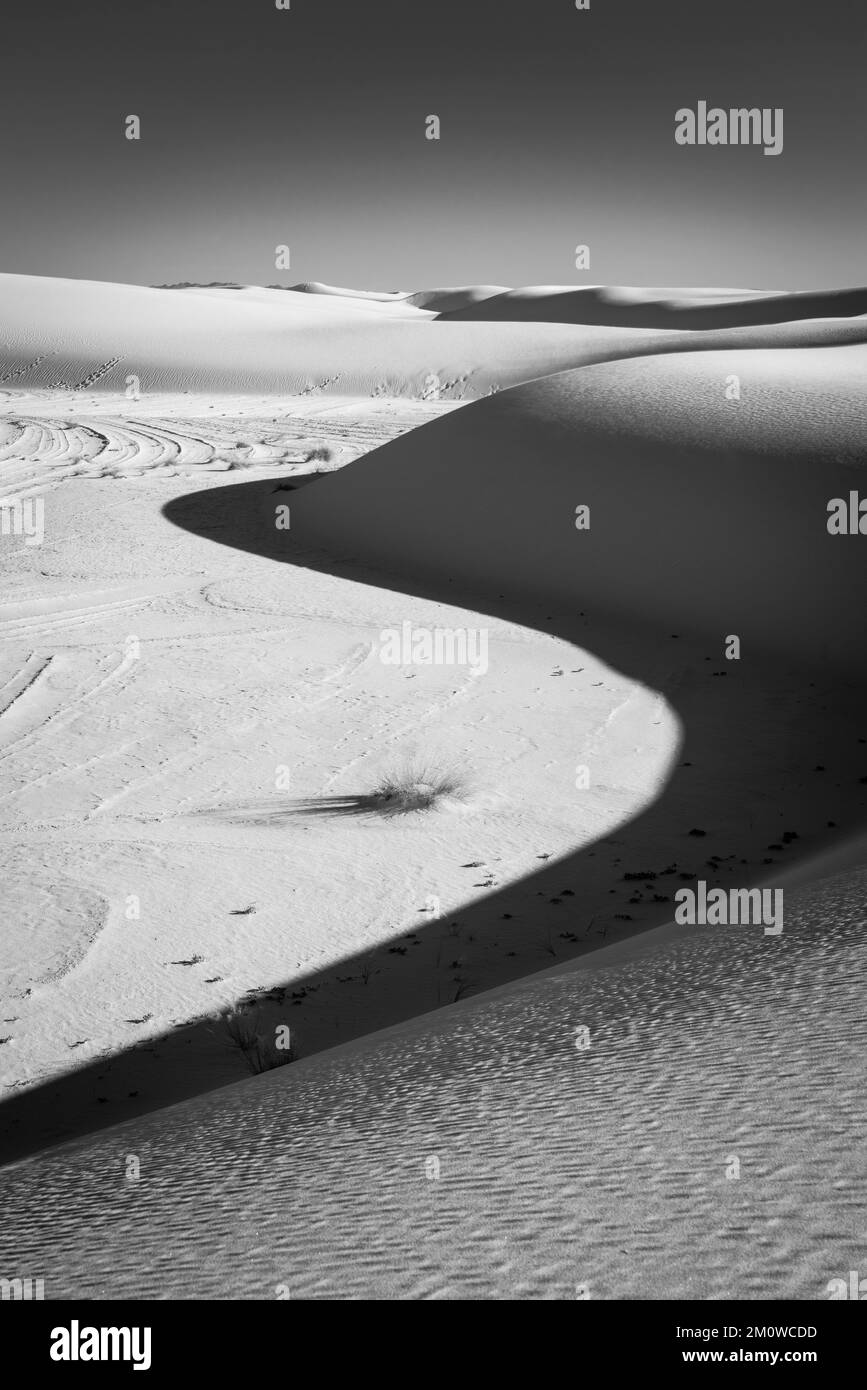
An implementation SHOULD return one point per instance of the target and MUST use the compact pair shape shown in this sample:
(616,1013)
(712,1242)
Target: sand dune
(437,300)
(317,287)
(639,308)
(77,336)
(445,301)
(707,514)
(702,1145)
(161,766)
(351,305)
(168,650)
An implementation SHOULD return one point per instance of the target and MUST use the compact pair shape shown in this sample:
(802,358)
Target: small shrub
(417,787)
(259,1050)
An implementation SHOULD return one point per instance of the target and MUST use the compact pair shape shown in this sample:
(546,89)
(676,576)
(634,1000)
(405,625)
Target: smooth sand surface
(72,336)
(707,514)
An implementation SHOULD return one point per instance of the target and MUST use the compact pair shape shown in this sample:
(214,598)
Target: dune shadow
(766,775)
(602,307)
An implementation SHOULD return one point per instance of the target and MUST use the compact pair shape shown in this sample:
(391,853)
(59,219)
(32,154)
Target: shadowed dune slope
(339,292)
(444,301)
(480,1153)
(628,308)
(437,300)
(706,513)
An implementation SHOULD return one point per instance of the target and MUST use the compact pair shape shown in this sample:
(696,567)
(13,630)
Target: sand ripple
(557,1166)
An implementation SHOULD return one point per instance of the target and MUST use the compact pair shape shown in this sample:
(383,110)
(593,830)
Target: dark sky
(306,127)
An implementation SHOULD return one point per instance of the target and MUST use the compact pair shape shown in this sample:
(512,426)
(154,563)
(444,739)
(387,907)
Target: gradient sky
(306,127)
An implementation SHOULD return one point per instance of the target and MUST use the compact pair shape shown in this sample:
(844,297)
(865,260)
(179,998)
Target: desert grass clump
(259,1050)
(321,453)
(418,787)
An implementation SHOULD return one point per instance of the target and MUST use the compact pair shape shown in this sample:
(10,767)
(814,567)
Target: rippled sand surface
(560,1167)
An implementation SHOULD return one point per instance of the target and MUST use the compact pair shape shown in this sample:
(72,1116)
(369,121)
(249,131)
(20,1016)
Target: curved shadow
(765,777)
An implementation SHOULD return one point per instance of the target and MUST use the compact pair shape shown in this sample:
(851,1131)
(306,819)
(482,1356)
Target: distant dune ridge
(690,309)
(452,300)
(339,292)
(467,340)
(439,301)
(58,333)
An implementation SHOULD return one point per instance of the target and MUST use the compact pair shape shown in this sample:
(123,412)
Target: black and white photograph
(433,682)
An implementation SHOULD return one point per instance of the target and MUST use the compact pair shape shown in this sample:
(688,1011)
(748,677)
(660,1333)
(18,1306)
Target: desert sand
(195,712)
(479,1153)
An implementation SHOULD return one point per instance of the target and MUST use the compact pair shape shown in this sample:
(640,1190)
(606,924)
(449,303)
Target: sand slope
(647,308)
(444,301)
(339,292)
(437,300)
(559,1167)
(75,336)
(707,514)
(160,666)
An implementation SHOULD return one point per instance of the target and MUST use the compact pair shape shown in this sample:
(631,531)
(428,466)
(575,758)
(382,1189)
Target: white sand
(265,340)
(74,334)
(156,775)
(655,308)
(707,514)
(557,1167)
(168,653)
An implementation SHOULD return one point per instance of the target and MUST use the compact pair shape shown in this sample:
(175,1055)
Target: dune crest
(659,309)
(706,514)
